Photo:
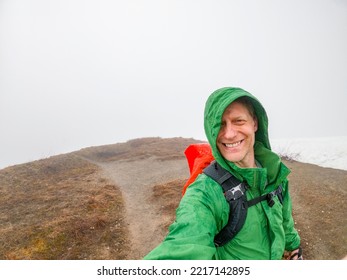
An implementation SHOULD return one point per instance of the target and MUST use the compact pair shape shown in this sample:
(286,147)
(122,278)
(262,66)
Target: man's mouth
(233,145)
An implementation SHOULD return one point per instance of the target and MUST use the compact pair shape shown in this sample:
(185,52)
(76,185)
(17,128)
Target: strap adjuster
(235,192)
(270,199)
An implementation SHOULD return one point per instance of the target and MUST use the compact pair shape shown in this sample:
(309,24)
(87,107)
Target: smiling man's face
(236,136)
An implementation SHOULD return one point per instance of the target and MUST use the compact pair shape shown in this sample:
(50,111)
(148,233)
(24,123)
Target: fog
(76,73)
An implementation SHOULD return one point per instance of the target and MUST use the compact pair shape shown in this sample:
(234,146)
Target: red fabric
(198,156)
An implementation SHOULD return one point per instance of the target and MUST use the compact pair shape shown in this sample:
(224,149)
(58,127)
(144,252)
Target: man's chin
(233,158)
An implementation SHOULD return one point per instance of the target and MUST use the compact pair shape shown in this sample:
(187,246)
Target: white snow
(325,152)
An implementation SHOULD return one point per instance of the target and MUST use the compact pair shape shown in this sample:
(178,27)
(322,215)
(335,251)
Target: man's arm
(191,236)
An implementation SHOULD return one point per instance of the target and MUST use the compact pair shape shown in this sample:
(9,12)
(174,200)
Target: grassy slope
(61,207)
(58,208)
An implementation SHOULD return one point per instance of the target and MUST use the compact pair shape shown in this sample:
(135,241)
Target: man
(236,127)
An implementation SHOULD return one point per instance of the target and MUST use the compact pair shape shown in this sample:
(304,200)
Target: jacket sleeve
(191,236)
(292,237)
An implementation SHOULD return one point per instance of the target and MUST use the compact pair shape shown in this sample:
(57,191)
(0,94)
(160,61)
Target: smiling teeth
(232,145)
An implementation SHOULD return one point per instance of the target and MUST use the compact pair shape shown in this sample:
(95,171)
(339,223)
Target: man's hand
(293,255)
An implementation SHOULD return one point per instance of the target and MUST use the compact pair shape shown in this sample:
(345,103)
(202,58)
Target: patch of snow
(325,152)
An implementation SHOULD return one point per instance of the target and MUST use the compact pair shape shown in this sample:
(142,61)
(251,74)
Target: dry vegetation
(167,197)
(165,149)
(319,209)
(59,208)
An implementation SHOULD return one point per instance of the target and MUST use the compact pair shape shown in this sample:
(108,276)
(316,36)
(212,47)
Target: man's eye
(239,122)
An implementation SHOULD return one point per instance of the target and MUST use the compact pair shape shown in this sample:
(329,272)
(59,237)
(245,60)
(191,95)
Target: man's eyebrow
(237,118)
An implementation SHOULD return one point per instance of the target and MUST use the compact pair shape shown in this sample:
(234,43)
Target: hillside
(116,201)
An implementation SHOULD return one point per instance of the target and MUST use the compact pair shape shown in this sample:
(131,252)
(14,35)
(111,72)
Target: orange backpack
(199,156)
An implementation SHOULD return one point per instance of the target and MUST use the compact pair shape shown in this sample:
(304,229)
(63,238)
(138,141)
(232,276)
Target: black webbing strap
(234,191)
(269,197)
(222,177)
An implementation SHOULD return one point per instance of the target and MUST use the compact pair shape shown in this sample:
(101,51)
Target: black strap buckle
(270,198)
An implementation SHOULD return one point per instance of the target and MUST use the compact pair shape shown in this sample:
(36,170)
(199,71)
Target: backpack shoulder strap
(221,176)
(234,192)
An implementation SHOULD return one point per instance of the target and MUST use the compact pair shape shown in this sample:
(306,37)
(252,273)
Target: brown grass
(166,198)
(319,209)
(57,209)
(164,149)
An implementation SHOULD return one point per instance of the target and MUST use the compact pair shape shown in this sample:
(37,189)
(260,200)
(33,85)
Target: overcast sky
(79,73)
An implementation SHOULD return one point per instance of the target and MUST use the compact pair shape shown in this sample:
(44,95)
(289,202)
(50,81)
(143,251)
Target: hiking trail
(136,180)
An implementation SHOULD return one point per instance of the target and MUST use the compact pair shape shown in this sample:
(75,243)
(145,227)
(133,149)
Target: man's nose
(229,131)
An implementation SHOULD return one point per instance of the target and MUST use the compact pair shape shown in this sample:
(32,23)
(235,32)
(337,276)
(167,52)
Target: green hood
(214,109)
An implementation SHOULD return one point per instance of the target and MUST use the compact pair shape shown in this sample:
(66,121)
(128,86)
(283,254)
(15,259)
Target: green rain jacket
(204,211)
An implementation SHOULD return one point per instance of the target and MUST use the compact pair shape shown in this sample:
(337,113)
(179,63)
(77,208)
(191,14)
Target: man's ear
(255,124)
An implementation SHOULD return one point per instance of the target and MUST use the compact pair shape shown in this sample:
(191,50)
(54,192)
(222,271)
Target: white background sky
(79,73)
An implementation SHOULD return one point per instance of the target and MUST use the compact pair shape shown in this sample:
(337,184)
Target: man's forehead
(240,106)
(236,106)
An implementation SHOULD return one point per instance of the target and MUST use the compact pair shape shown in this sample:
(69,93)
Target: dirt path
(136,180)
